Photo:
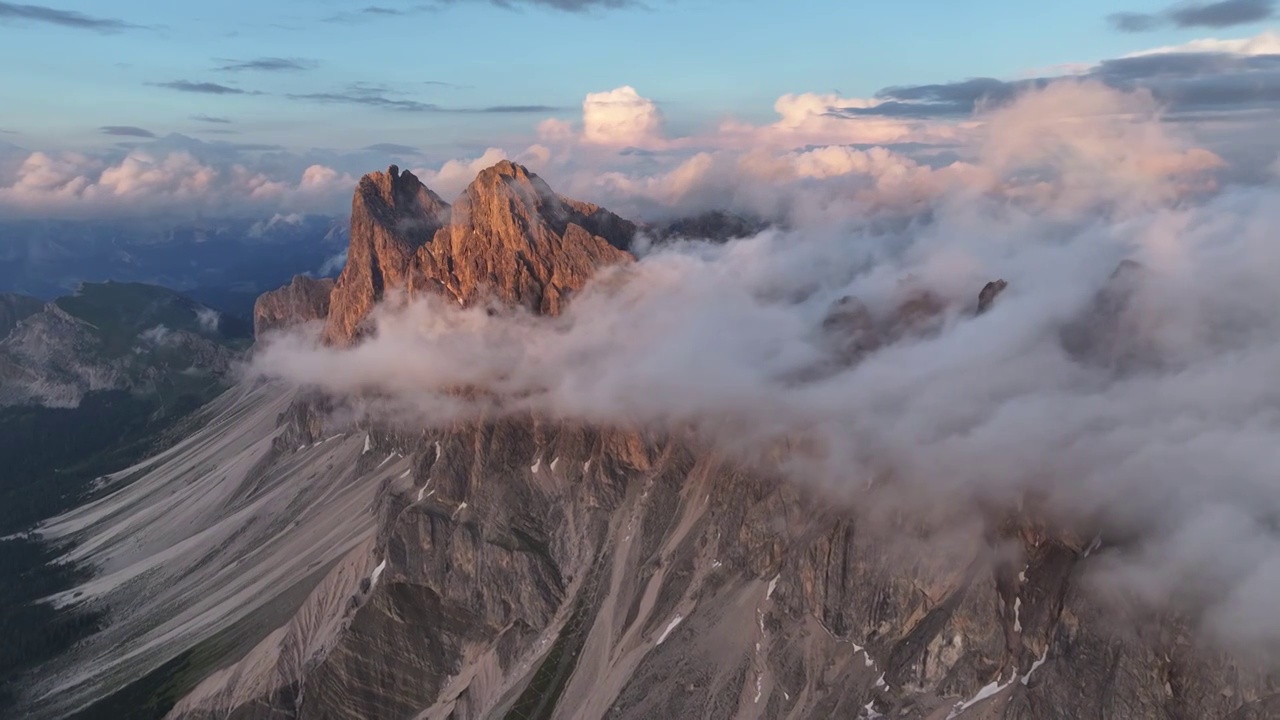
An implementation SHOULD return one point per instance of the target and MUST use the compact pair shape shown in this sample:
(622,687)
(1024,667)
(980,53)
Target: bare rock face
(509,238)
(303,300)
(392,215)
(1107,334)
(515,241)
(990,291)
(849,329)
(535,568)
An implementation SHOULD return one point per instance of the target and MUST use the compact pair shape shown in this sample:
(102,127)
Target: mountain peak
(392,215)
(509,237)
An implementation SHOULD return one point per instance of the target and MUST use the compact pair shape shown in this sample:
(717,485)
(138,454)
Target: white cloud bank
(1159,427)
(77,185)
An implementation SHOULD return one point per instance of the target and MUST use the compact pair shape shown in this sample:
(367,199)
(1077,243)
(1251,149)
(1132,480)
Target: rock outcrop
(508,238)
(392,215)
(990,291)
(306,299)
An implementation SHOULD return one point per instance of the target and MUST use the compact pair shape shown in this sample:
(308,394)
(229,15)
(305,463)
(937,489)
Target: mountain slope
(114,336)
(15,308)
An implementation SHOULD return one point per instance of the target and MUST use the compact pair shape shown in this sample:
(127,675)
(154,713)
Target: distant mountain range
(224,263)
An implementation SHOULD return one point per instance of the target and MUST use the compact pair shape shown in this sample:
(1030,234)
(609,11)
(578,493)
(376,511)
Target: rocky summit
(508,238)
(297,565)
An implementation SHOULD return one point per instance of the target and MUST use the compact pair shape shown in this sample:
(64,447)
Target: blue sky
(698,59)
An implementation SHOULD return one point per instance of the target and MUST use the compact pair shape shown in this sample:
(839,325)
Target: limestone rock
(509,238)
(990,291)
(303,300)
(515,241)
(392,215)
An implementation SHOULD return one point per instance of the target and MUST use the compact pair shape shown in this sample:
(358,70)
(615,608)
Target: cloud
(159,180)
(570,6)
(126,131)
(1265,43)
(383,97)
(573,6)
(1205,73)
(1155,431)
(207,88)
(64,18)
(451,86)
(212,119)
(621,117)
(1226,13)
(268,64)
(208,319)
(394,149)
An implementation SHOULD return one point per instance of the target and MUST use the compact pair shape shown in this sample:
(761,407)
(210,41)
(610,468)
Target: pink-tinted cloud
(77,185)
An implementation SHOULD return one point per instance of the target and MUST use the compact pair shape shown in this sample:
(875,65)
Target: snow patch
(459,509)
(554,463)
(368,445)
(389,459)
(1035,666)
(990,690)
(586,466)
(537,465)
(880,681)
(1097,543)
(670,626)
(1017,614)
(377,572)
(773,585)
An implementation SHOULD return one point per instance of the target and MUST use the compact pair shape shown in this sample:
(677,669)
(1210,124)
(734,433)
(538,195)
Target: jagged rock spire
(509,237)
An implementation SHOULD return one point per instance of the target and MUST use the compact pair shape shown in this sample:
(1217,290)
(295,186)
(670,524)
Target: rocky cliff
(304,300)
(392,215)
(509,238)
(536,567)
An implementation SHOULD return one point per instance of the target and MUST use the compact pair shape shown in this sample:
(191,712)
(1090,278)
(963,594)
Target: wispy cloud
(380,96)
(207,88)
(66,18)
(443,84)
(1182,79)
(1226,13)
(126,131)
(268,64)
(394,149)
(212,119)
(562,5)
(371,12)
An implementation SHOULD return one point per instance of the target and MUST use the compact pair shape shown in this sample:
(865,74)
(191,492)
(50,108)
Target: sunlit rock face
(508,238)
(304,300)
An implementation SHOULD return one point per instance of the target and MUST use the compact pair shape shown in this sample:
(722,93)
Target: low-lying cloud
(1139,403)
